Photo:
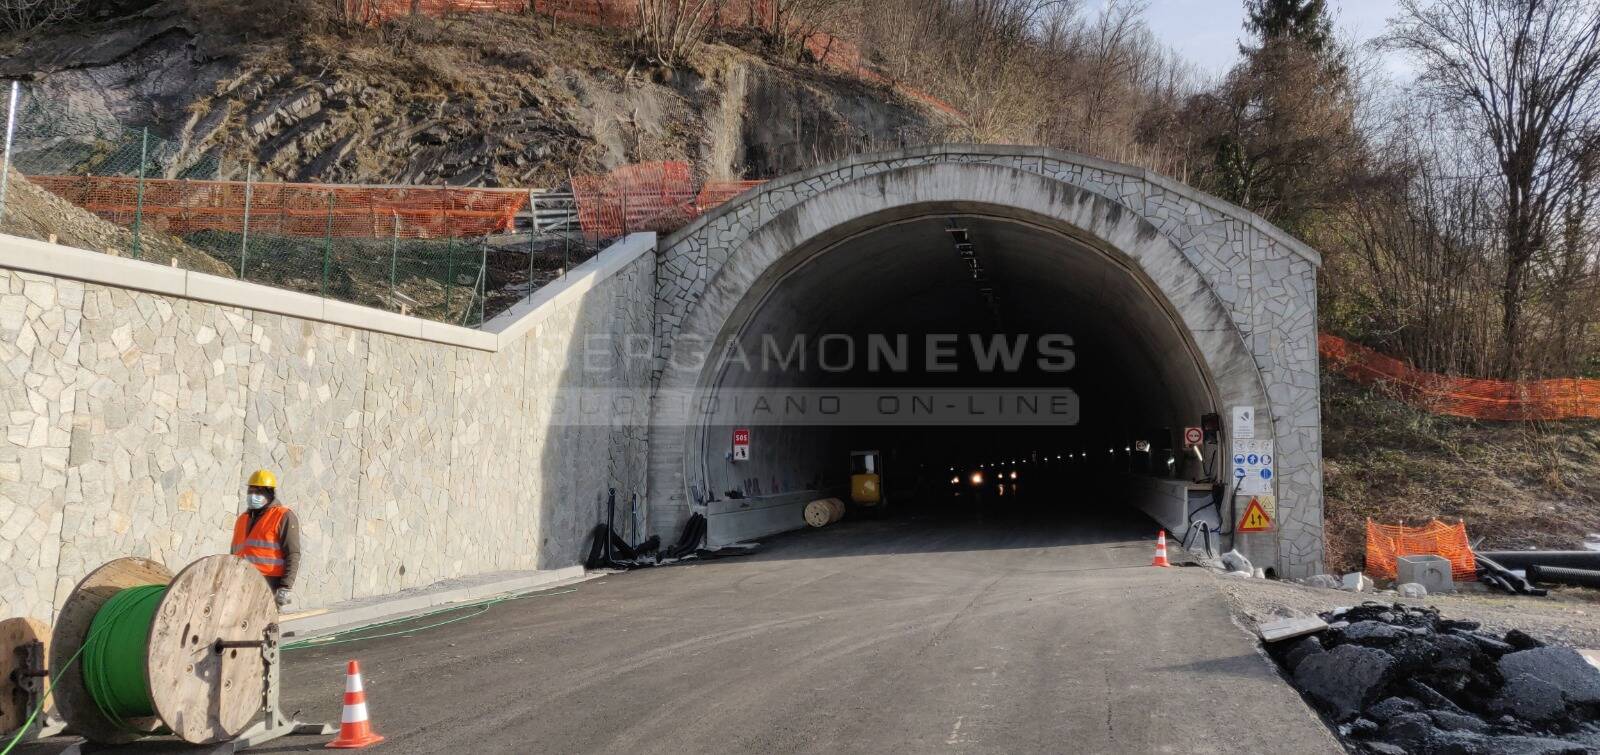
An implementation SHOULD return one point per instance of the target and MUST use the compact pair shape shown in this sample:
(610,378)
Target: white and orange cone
(355,731)
(1161,550)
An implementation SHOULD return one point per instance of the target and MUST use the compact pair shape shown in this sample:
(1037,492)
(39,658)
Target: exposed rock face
(481,100)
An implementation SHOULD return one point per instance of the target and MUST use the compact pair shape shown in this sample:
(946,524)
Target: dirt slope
(32,212)
(1515,484)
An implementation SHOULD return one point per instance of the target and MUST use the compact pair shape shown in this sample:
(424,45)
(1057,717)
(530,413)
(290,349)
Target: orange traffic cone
(355,730)
(1161,550)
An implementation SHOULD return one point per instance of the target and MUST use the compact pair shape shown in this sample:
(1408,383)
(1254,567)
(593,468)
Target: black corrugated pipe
(1564,576)
(1525,559)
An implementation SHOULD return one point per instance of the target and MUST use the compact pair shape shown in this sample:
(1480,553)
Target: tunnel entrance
(1009,341)
(955,345)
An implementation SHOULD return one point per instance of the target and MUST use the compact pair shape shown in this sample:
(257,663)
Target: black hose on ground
(694,532)
(609,551)
(1492,572)
(611,523)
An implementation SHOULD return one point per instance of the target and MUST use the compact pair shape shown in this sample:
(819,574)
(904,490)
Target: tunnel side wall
(1226,260)
(136,404)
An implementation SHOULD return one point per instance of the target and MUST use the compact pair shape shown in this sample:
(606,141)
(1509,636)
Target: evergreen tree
(1305,21)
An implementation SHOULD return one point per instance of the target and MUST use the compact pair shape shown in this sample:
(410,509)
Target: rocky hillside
(498,100)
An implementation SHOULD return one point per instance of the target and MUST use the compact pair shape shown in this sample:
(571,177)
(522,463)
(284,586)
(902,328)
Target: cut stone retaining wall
(137,398)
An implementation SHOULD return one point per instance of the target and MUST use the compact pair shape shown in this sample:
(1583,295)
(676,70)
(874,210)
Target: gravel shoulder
(1568,616)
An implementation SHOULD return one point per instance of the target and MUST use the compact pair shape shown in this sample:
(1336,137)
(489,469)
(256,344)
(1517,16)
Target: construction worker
(268,536)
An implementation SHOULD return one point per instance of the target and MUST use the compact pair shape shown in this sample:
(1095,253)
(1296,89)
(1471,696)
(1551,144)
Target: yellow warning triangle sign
(1255,518)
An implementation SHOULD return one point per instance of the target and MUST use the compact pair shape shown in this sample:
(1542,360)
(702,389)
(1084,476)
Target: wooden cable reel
(200,689)
(22,664)
(823,512)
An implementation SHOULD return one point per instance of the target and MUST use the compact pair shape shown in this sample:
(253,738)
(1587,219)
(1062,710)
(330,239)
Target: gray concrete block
(1432,572)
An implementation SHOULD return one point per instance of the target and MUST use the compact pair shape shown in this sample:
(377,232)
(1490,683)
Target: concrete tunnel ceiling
(1178,304)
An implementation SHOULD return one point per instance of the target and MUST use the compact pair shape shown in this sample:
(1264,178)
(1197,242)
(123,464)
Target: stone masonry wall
(1264,279)
(131,421)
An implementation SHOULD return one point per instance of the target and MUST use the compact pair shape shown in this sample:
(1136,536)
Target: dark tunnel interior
(938,329)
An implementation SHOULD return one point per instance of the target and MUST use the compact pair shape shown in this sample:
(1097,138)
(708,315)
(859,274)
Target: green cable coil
(116,651)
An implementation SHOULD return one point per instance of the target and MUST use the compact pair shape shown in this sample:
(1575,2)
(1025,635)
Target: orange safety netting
(656,196)
(289,209)
(1477,398)
(374,11)
(1388,542)
(714,193)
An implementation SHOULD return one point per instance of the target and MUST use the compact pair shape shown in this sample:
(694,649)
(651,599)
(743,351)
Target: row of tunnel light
(1142,447)
(1070,456)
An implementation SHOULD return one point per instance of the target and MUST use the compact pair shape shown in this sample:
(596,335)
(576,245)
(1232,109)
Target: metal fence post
(11,127)
(450,271)
(138,203)
(394,254)
(483,281)
(327,245)
(533,234)
(244,238)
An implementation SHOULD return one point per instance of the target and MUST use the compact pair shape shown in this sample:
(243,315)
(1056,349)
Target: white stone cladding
(132,418)
(1254,318)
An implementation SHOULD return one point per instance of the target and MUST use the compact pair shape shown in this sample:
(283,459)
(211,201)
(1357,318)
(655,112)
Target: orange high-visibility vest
(259,544)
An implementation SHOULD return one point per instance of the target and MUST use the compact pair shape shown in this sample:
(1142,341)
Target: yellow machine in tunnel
(866,478)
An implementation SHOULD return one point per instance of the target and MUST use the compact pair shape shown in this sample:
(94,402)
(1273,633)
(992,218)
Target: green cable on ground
(121,625)
(115,654)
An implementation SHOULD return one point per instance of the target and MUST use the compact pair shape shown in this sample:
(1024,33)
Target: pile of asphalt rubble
(1400,679)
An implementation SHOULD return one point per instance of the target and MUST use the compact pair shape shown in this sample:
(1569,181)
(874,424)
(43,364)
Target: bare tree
(1525,76)
(1408,268)
(671,30)
(790,24)
(23,16)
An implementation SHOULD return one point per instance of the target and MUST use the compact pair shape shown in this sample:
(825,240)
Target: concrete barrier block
(1432,572)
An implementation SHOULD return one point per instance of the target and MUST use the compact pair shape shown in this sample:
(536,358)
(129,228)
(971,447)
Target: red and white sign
(741,444)
(1255,518)
(1192,436)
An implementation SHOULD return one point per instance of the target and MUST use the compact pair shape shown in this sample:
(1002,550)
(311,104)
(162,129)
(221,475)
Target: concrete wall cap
(31,256)
(524,315)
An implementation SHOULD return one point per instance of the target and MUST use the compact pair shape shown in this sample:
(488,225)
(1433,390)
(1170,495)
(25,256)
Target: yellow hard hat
(264,479)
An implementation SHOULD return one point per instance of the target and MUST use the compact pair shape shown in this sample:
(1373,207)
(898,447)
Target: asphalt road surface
(901,635)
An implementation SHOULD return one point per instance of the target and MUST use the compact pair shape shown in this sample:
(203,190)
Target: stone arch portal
(1176,305)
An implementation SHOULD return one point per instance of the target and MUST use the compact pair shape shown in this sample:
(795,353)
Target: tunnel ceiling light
(968,251)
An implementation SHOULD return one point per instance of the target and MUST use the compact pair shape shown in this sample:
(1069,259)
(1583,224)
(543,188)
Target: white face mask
(256,500)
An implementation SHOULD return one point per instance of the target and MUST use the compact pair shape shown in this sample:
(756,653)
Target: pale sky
(1207,32)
